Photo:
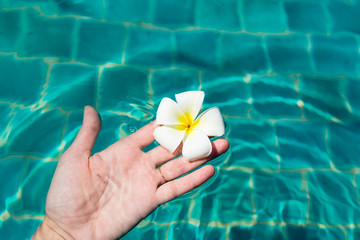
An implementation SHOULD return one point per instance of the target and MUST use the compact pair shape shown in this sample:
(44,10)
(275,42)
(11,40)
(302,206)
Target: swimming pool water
(285,75)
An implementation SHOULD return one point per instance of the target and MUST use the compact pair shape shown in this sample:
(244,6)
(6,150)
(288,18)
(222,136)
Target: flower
(180,124)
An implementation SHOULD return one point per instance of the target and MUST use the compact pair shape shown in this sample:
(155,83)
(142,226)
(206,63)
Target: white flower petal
(211,122)
(169,113)
(196,145)
(169,137)
(190,103)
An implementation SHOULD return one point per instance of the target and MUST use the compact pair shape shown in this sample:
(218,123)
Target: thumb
(88,133)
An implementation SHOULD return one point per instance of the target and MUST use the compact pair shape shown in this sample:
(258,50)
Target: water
(285,75)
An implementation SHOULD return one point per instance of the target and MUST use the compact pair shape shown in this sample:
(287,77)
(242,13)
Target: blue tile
(24,79)
(279,197)
(15,229)
(250,141)
(182,231)
(174,13)
(302,149)
(275,97)
(229,197)
(345,16)
(121,86)
(11,172)
(229,93)
(263,16)
(172,211)
(353,233)
(167,83)
(307,17)
(335,55)
(128,11)
(272,88)
(100,42)
(341,140)
(72,86)
(93,9)
(47,37)
(333,198)
(289,54)
(149,47)
(323,98)
(219,14)
(239,232)
(242,53)
(310,232)
(352,95)
(34,190)
(10,29)
(35,133)
(147,232)
(197,48)
(45,6)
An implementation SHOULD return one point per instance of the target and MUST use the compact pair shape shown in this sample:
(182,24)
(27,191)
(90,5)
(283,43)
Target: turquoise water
(285,75)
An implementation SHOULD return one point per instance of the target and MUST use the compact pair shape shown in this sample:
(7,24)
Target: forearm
(49,230)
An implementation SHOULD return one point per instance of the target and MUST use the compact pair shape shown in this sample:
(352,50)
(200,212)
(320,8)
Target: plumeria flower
(180,124)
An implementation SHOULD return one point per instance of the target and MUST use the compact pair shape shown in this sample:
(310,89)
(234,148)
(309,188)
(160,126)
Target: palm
(103,196)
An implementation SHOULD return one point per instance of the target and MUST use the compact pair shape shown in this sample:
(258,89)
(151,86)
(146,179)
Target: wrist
(50,230)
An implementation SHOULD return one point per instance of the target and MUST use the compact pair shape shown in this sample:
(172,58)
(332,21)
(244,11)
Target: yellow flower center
(187,124)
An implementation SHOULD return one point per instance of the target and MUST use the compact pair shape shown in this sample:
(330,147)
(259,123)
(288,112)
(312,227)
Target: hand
(104,195)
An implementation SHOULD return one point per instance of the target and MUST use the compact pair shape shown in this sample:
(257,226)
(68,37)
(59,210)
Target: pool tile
(174,13)
(309,232)
(345,16)
(46,6)
(23,79)
(353,233)
(335,55)
(197,48)
(307,17)
(149,231)
(252,140)
(149,47)
(47,37)
(182,231)
(323,97)
(242,53)
(219,14)
(28,135)
(279,197)
(352,95)
(256,232)
(229,197)
(288,54)
(128,11)
(93,9)
(212,233)
(264,16)
(10,29)
(72,86)
(341,141)
(302,149)
(11,173)
(100,42)
(34,190)
(167,83)
(275,97)
(333,198)
(172,211)
(115,92)
(220,91)
(14,229)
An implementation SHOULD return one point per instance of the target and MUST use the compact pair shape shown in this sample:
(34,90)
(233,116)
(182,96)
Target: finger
(180,166)
(173,189)
(144,136)
(160,155)
(88,133)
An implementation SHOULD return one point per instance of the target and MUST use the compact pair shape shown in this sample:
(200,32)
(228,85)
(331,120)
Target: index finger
(144,136)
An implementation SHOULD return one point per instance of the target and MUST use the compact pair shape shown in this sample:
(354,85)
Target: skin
(103,196)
